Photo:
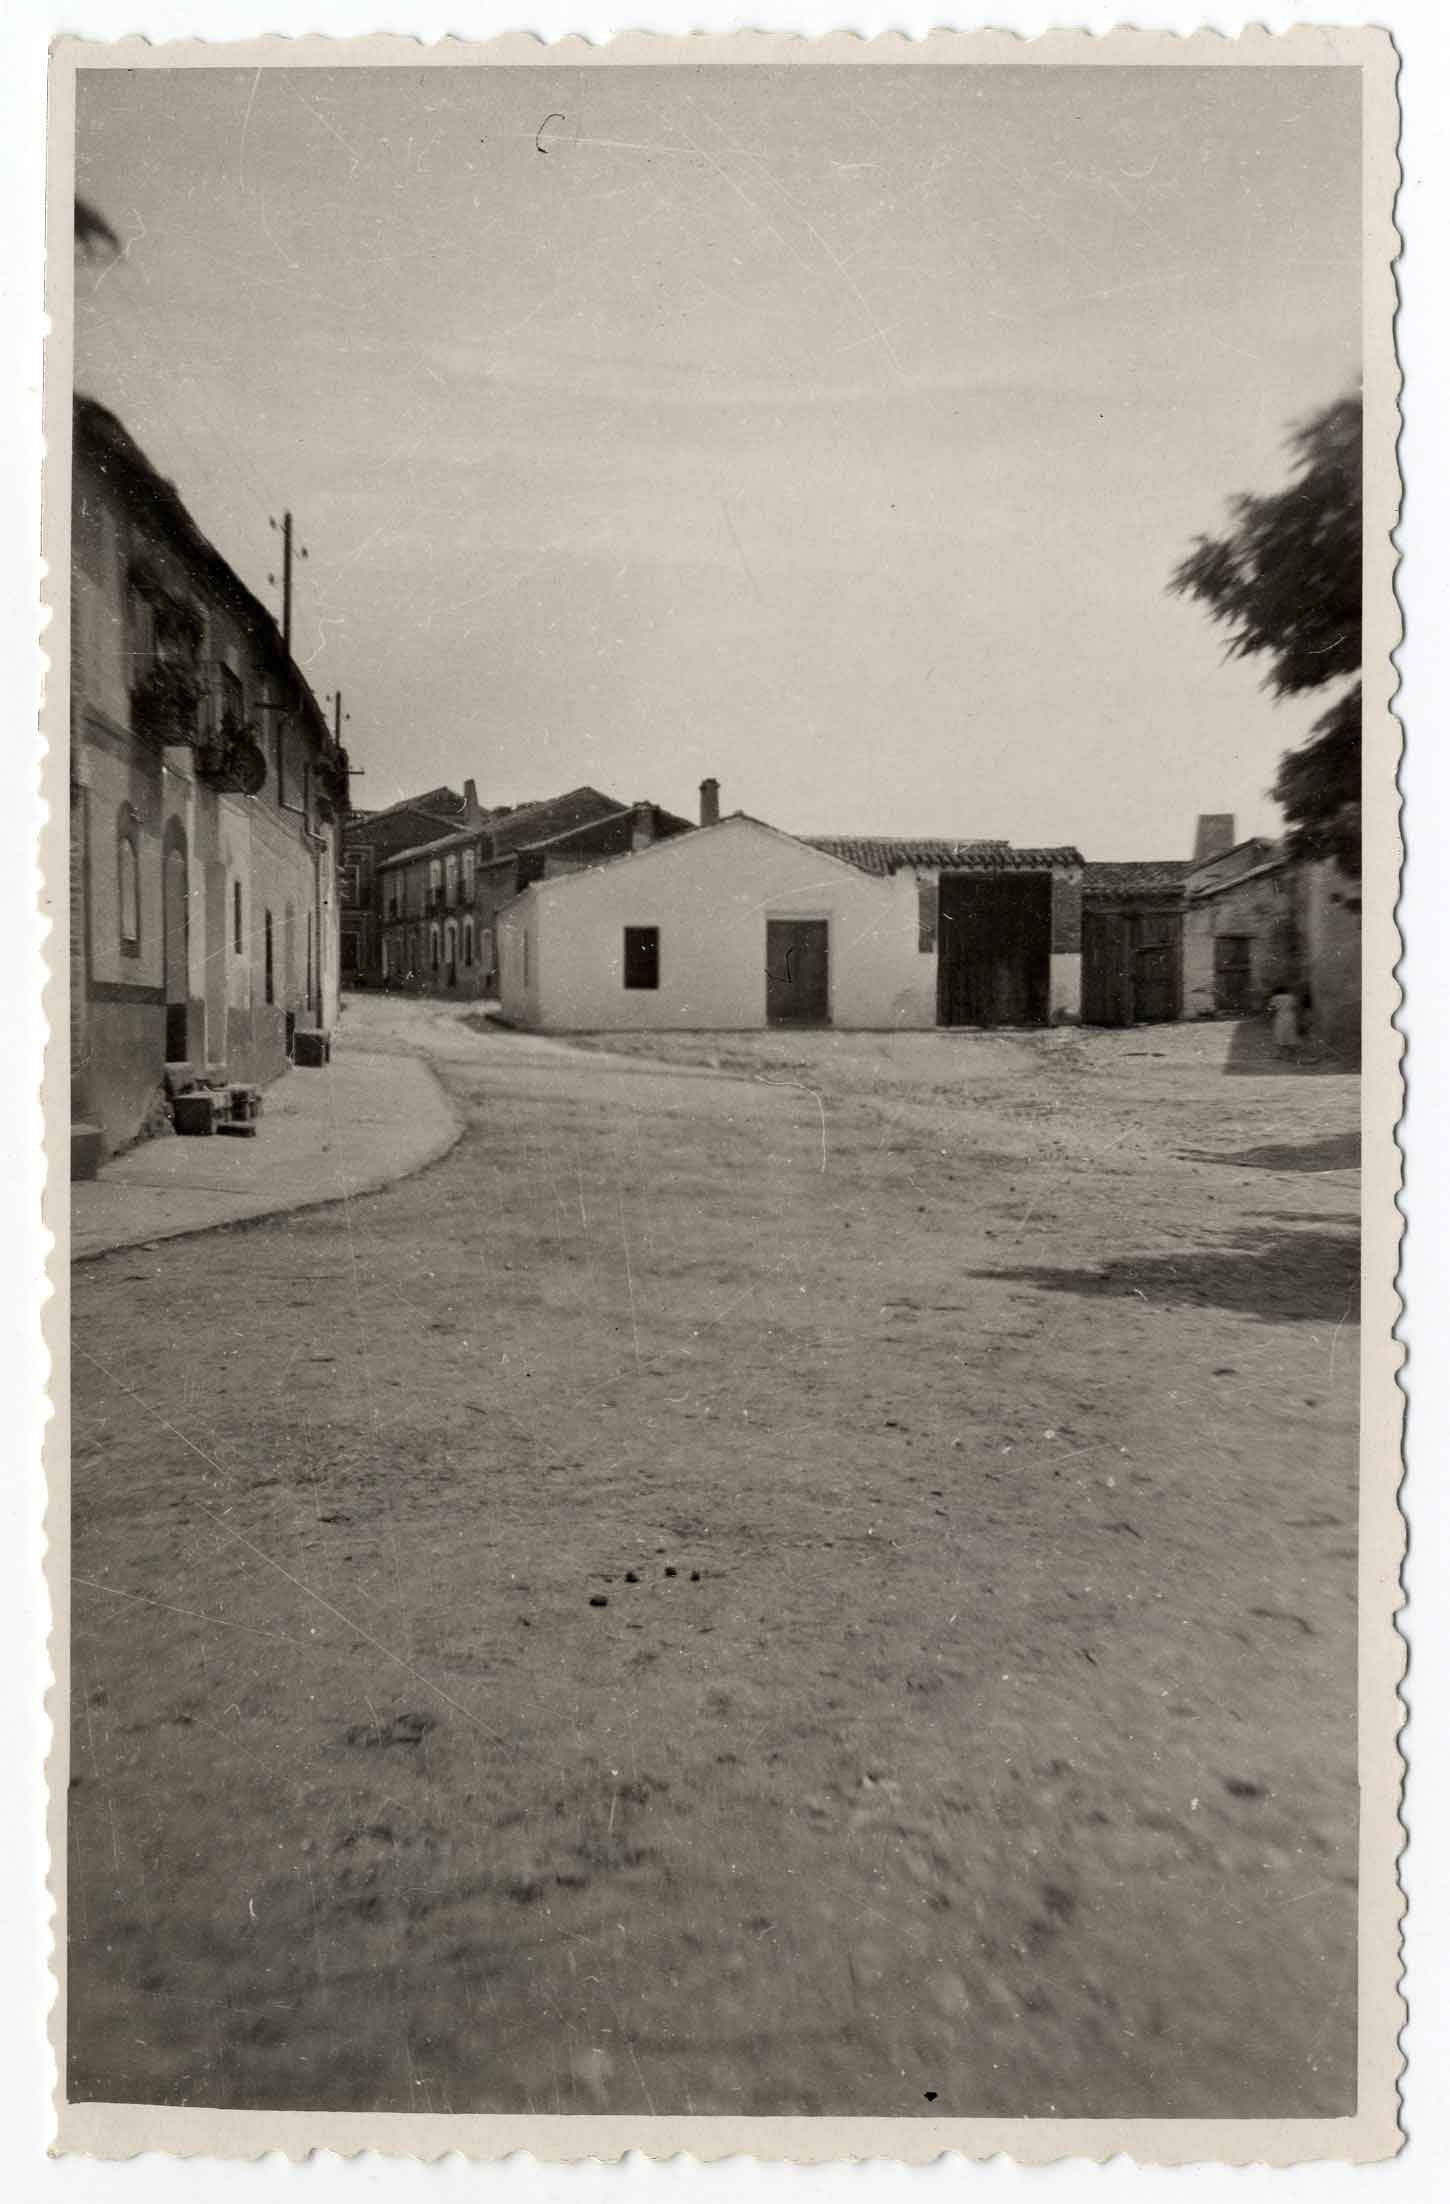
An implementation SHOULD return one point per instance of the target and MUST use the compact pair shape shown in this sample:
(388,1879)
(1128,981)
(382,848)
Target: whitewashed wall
(1065,987)
(710,894)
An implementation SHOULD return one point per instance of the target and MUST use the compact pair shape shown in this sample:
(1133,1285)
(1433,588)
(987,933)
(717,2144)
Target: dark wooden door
(1132,967)
(1107,995)
(175,936)
(1233,975)
(994,948)
(1152,985)
(1157,968)
(797,971)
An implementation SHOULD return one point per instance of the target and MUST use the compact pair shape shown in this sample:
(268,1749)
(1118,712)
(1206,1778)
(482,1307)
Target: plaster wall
(711,894)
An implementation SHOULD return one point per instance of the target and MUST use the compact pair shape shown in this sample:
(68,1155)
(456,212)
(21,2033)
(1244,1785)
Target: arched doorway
(175,937)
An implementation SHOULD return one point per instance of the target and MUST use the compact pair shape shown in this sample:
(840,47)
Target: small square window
(641,956)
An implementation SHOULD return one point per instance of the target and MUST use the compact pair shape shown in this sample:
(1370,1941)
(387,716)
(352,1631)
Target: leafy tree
(1285,581)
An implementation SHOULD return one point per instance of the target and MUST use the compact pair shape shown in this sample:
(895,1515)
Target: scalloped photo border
(112,2131)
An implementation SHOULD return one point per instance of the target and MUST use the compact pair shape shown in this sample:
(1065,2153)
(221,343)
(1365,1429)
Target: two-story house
(368,837)
(439,901)
(205,791)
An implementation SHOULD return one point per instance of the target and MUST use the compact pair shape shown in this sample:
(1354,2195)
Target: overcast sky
(833,431)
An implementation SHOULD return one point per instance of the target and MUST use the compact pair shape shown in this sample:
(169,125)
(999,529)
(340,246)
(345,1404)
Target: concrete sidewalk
(362,1122)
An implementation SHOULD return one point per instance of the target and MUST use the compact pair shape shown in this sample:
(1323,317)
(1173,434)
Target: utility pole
(287,579)
(340,719)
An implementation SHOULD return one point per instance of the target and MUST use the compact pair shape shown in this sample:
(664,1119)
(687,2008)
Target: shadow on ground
(1252,1055)
(1334,1152)
(1278,1277)
(1347,1219)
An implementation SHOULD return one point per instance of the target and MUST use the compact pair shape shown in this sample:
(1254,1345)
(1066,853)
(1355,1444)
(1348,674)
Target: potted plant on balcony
(167,632)
(166,700)
(232,760)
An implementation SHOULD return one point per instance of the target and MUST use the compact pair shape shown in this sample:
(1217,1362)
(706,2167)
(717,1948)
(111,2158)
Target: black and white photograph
(729,850)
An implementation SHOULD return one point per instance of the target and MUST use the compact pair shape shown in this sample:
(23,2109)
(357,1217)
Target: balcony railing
(230,757)
(166,702)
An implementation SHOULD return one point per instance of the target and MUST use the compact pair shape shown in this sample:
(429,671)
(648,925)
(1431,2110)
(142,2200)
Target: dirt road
(817,1575)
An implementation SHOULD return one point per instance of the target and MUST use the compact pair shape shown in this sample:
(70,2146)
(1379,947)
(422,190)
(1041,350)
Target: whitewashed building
(738,925)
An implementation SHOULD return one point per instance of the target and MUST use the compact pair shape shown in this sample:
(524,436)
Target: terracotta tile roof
(886,853)
(1136,876)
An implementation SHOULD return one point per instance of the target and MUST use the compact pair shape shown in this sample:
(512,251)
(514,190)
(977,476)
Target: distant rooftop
(882,854)
(1135,876)
(440,803)
(521,826)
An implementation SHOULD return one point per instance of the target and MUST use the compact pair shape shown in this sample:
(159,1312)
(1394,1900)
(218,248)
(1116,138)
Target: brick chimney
(472,809)
(709,803)
(1215,835)
(642,826)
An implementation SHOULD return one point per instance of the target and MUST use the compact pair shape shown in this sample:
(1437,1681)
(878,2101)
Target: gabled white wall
(710,894)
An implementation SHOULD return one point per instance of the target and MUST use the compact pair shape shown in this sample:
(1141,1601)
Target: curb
(376,1184)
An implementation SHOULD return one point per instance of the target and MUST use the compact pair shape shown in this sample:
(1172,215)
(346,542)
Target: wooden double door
(994,948)
(1132,967)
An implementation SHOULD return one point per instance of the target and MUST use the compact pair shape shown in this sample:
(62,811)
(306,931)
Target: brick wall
(1066,913)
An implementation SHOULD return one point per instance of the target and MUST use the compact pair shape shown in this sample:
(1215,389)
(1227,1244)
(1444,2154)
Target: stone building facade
(1242,936)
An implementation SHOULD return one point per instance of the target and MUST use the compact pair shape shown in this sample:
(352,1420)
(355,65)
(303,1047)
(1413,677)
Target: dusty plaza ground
(793,1574)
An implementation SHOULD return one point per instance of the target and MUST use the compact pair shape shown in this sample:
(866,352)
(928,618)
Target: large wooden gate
(994,948)
(1132,967)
